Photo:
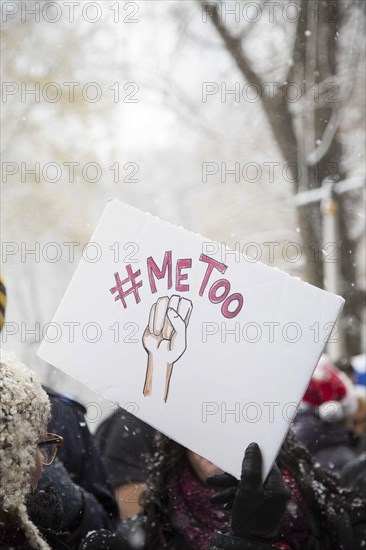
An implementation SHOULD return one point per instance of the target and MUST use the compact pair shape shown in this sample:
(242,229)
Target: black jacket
(78,474)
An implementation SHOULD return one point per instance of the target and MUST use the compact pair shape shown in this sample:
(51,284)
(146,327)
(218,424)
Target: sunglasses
(49,447)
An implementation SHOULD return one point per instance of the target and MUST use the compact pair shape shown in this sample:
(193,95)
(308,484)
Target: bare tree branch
(275,107)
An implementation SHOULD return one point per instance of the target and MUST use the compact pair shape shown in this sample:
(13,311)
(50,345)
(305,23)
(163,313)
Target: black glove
(44,508)
(70,493)
(82,512)
(256,508)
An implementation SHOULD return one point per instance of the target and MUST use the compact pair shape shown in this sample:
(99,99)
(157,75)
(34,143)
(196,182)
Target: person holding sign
(176,509)
(191,505)
(234,295)
(257,509)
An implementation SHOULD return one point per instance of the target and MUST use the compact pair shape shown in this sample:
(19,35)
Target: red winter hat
(331,391)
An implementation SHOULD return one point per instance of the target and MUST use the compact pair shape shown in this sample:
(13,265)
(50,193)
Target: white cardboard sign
(207,346)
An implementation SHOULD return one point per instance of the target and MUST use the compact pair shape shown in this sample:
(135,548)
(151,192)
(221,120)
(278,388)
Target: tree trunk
(307,136)
(351,321)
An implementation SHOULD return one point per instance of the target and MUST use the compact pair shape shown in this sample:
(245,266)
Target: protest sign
(204,344)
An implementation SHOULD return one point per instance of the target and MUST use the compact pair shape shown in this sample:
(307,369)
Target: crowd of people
(128,487)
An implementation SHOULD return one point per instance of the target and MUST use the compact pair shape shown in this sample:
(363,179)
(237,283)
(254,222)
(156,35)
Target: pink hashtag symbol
(134,288)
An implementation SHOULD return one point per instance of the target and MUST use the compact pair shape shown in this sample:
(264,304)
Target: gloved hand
(257,508)
(44,508)
(70,493)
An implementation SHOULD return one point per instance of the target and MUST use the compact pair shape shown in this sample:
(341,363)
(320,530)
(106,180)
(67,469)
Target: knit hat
(331,391)
(2,302)
(24,414)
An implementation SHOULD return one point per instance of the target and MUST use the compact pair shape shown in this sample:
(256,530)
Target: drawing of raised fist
(165,337)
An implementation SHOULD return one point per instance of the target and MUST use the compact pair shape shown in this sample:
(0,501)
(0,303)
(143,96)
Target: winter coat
(81,510)
(78,475)
(12,537)
(81,458)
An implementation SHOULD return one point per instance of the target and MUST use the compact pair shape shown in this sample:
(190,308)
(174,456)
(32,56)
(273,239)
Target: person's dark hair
(167,457)
(328,504)
(323,496)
